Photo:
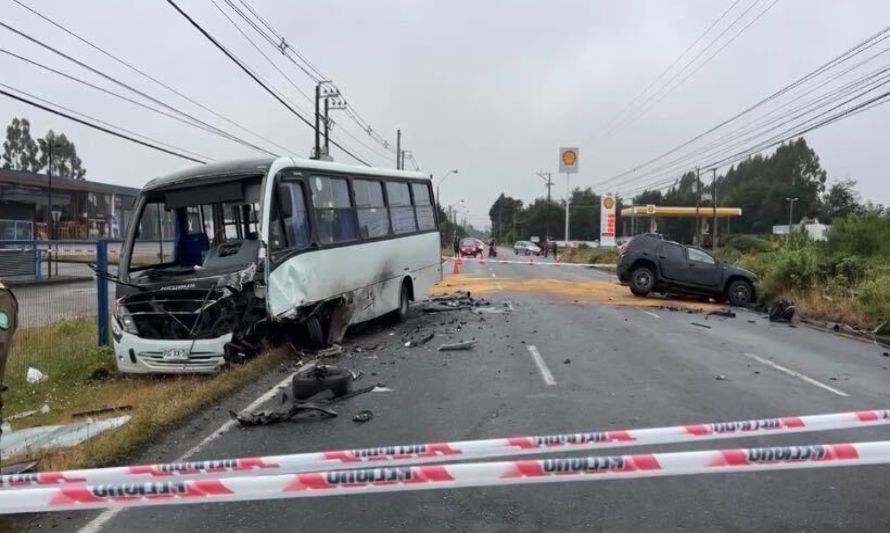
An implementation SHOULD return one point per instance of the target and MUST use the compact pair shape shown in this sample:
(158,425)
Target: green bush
(866,235)
(747,244)
(785,269)
(874,294)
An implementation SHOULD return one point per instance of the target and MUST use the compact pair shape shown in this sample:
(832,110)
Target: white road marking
(100,521)
(653,315)
(542,366)
(796,374)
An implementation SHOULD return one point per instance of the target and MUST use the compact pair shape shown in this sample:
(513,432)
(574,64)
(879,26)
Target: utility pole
(49,194)
(317,153)
(549,183)
(398,149)
(697,207)
(568,201)
(714,199)
(790,213)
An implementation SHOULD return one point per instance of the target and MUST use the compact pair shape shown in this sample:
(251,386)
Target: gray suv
(650,264)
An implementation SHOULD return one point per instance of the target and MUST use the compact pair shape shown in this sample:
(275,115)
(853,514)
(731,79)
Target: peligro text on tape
(449,451)
(429,477)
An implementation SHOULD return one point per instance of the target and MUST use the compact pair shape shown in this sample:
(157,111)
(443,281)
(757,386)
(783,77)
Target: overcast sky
(491,88)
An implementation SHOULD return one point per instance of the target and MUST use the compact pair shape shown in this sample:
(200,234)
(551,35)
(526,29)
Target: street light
(439,182)
(791,212)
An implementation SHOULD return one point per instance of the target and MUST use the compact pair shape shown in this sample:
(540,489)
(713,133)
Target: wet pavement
(612,364)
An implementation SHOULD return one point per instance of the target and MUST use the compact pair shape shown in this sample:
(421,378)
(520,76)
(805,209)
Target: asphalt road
(613,367)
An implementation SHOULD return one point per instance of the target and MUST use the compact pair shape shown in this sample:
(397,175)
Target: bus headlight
(123,320)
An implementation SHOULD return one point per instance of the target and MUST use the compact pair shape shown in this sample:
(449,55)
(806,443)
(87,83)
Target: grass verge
(76,381)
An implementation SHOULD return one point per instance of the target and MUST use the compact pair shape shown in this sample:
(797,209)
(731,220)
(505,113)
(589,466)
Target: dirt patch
(593,290)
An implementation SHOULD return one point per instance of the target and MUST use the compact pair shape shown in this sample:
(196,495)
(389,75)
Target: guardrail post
(102,291)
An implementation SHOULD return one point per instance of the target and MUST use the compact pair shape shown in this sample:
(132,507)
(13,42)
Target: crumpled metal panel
(59,436)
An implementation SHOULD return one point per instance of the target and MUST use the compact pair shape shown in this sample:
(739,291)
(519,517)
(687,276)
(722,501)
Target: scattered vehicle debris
(25,414)
(263,418)
(34,376)
(102,410)
(363,416)
(30,440)
(701,325)
(464,345)
(17,468)
(100,374)
(725,313)
(320,378)
(567,361)
(781,311)
(428,338)
(720,377)
(378,388)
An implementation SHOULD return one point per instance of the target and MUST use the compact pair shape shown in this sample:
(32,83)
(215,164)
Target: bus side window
(400,209)
(373,217)
(423,206)
(334,213)
(290,226)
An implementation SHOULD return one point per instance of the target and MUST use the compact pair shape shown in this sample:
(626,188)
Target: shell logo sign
(568,160)
(607,221)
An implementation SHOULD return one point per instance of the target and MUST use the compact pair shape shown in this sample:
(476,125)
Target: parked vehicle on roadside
(251,247)
(526,248)
(650,264)
(470,247)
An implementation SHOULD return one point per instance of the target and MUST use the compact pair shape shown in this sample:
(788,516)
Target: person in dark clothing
(492,249)
(553,248)
(456,245)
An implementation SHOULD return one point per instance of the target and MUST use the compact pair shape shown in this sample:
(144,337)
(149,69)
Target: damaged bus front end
(191,294)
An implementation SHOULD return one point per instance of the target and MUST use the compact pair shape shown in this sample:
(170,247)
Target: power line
(666,88)
(148,76)
(631,103)
(220,132)
(281,45)
(255,78)
(107,124)
(845,56)
(869,82)
(95,126)
(106,91)
(783,137)
(707,60)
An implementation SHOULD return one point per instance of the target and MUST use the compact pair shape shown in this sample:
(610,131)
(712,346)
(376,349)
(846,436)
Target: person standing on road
(553,248)
(546,246)
(456,245)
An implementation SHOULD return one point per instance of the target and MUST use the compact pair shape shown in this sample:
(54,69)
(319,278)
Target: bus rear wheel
(401,313)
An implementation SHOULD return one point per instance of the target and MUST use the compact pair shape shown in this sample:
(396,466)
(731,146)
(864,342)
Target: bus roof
(245,167)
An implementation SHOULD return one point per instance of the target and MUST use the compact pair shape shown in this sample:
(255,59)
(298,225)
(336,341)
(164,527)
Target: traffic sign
(568,160)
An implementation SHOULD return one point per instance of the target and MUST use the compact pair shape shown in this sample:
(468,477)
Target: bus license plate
(176,354)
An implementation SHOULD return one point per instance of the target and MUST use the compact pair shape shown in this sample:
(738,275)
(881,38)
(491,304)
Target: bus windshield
(207,227)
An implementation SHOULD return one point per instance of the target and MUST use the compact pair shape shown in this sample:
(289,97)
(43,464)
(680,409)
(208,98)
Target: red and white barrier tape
(534,263)
(413,478)
(441,452)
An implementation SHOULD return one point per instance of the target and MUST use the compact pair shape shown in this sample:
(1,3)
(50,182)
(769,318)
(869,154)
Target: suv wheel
(740,293)
(642,280)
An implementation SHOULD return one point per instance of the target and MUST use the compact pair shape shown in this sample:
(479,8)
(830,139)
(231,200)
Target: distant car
(649,263)
(526,248)
(471,247)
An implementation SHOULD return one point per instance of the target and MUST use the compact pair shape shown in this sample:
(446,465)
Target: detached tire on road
(318,379)
(740,293)
(642,281)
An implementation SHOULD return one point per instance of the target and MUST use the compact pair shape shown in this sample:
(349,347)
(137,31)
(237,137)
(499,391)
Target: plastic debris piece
(465,345)
(34,376)
(363,416)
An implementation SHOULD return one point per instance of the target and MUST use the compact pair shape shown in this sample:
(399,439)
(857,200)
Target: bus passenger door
(287,233)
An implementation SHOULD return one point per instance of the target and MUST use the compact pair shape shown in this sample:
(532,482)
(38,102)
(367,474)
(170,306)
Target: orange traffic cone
(455,266)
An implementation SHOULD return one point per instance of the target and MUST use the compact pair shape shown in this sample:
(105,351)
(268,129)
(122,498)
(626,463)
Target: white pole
(568,201)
